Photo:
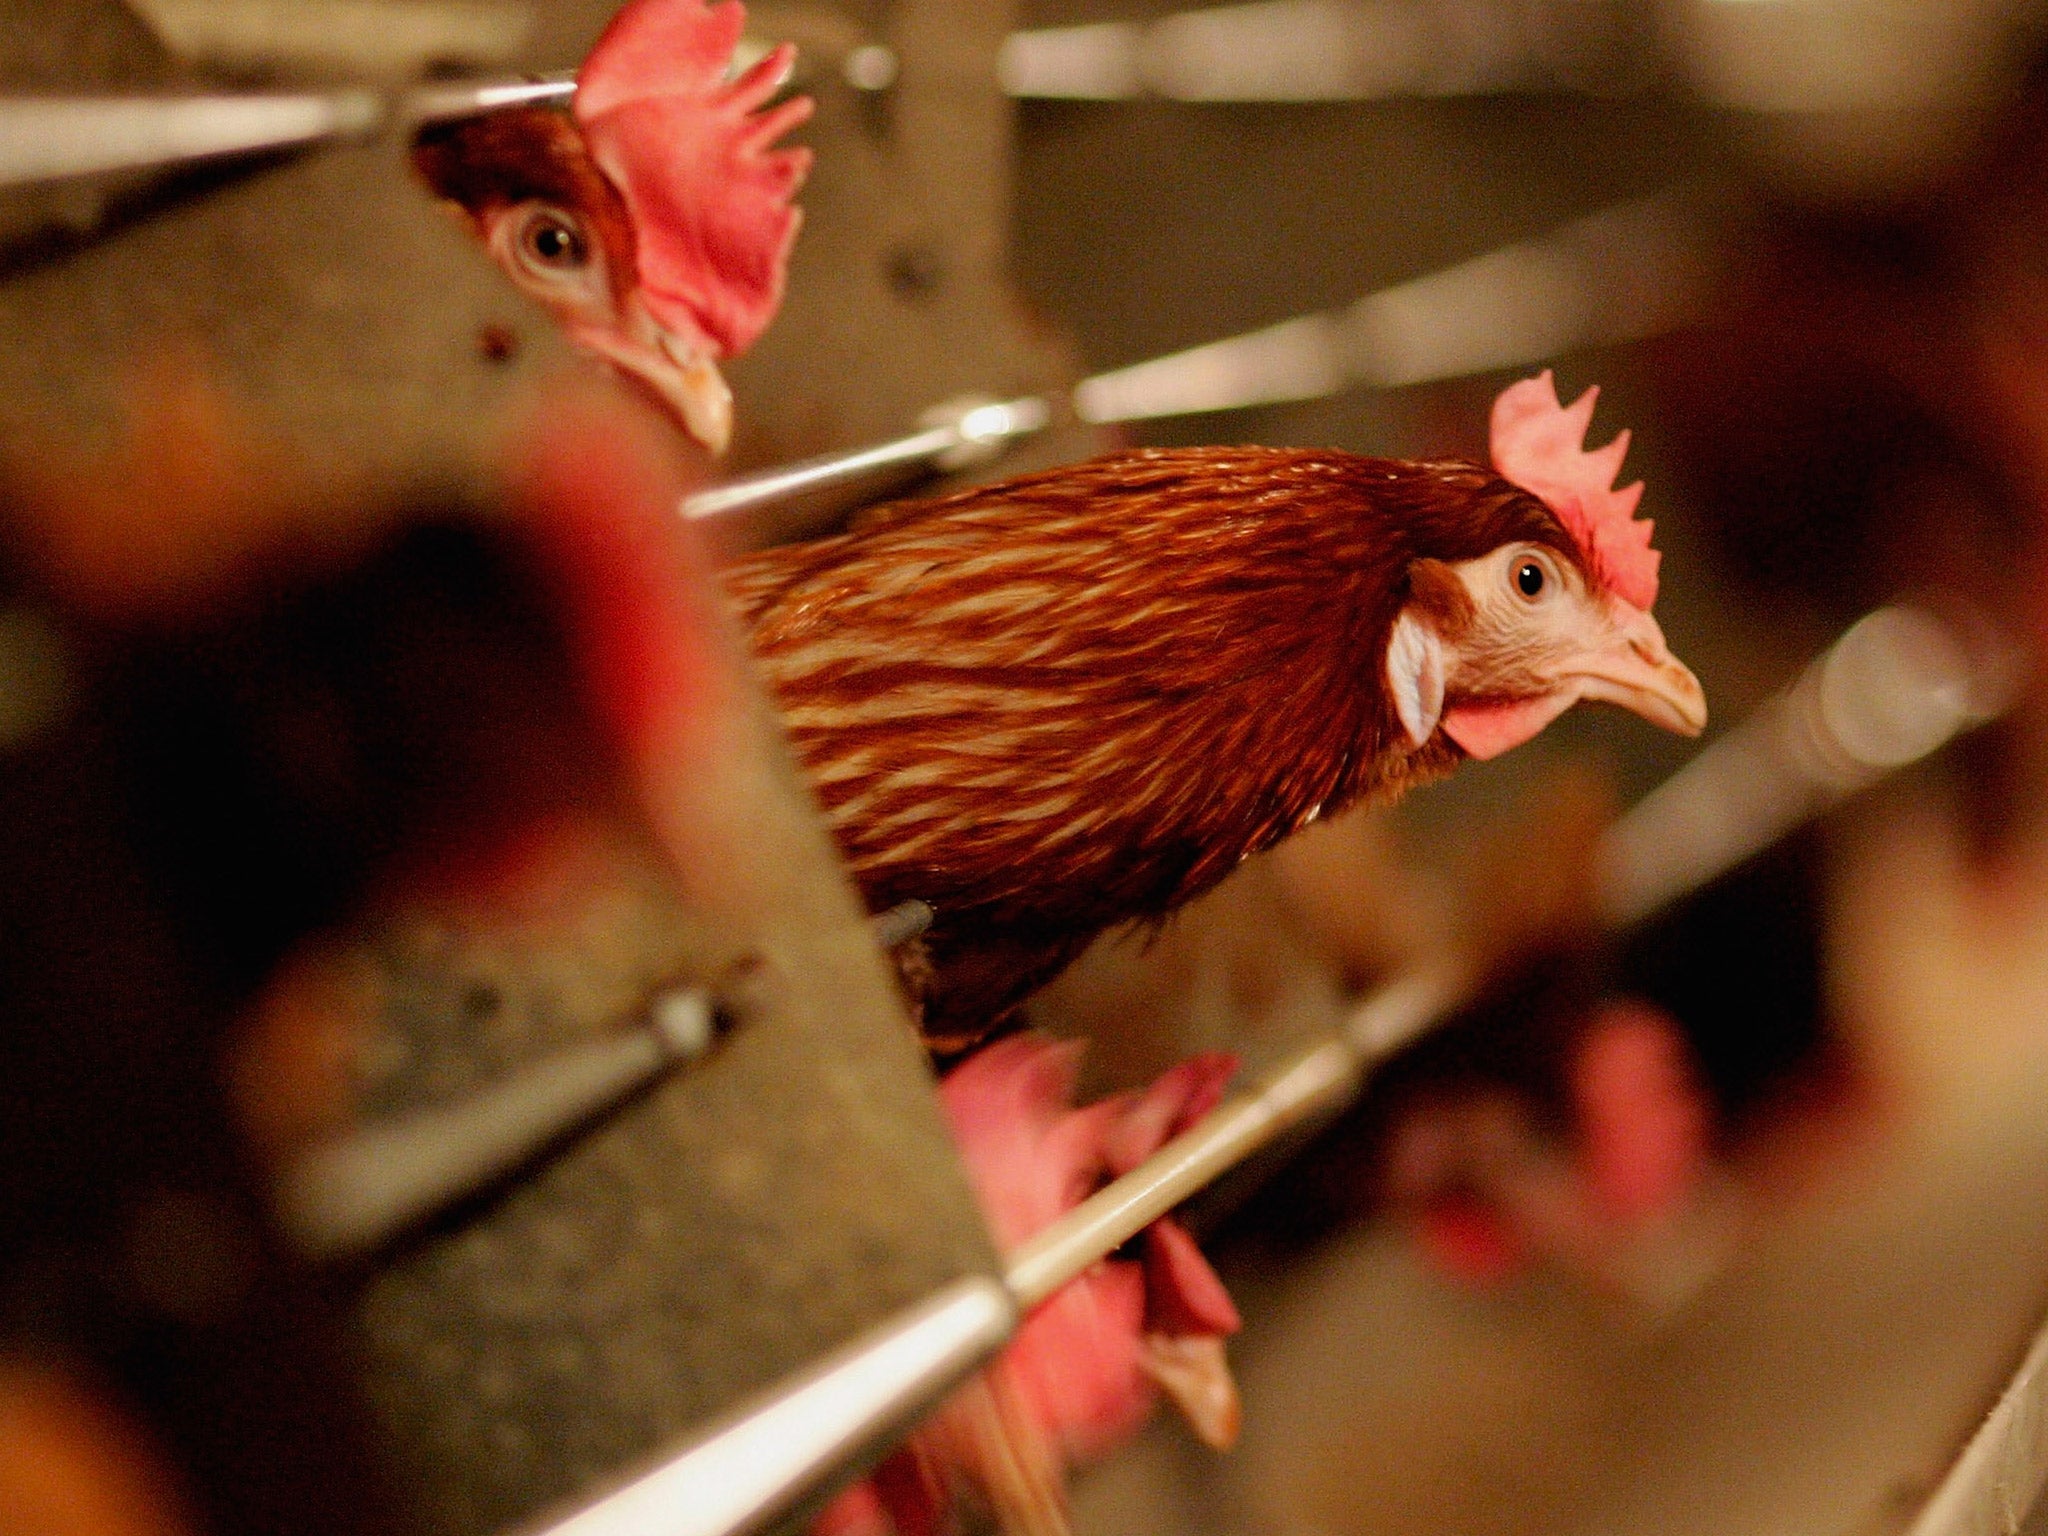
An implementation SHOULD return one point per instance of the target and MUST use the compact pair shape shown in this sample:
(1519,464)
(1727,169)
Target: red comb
(1540,445)
(693,159)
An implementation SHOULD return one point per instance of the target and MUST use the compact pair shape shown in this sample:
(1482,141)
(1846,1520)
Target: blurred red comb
(694,160)
(1539,445)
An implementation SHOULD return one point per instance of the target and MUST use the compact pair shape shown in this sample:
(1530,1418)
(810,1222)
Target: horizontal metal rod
(761,1460)
(959,435)
(450,103)
(1995,1485)
(55,138)
(856,467)
(46,138)
(1288,51)
(1621,274)
(1292,51)
(1899,683)
(1311,1082)
(1325,1073)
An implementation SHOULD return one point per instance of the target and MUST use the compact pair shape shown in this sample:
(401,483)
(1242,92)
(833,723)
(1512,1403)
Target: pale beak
(699,395)
(1633,667)
(680,371)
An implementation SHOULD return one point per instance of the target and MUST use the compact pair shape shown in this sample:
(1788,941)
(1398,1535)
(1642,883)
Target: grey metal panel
(712,1238)
(328,299)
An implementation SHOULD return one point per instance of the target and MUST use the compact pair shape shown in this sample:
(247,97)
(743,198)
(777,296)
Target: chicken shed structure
(451,1082)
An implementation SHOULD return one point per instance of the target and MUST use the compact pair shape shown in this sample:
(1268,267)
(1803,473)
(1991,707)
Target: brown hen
(654,220)
(1081,698)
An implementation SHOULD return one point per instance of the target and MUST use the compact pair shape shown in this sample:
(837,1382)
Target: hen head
(1496,645)
(655,222)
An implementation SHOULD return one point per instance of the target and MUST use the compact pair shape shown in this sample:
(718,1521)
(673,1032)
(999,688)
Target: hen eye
(1529,578)
(554,242)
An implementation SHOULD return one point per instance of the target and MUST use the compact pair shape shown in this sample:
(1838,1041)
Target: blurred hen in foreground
(257,710)
(655,223)
(1069,701)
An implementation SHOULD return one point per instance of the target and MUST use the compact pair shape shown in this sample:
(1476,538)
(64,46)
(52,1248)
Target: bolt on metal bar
(355,1195)
(902,923)
(856,468)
